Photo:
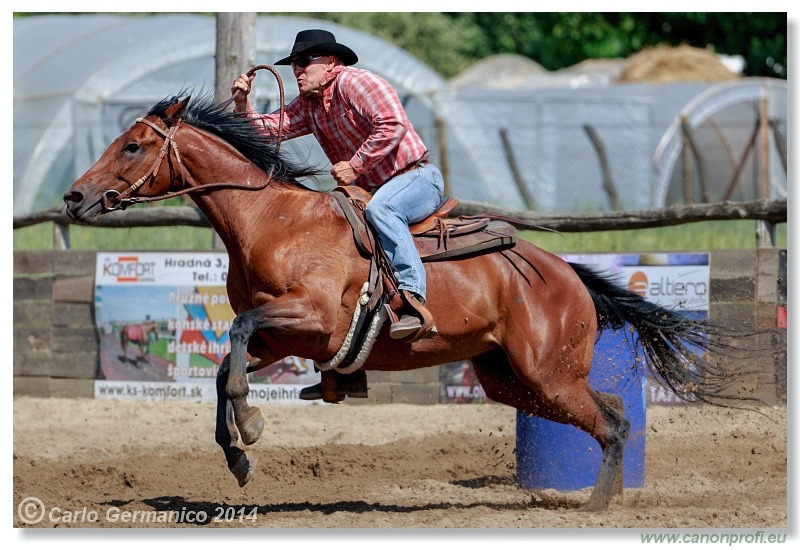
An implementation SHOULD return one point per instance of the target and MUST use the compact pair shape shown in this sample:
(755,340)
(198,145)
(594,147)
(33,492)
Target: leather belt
(413,166)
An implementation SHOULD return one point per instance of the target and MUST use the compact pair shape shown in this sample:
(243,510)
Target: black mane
(240,131)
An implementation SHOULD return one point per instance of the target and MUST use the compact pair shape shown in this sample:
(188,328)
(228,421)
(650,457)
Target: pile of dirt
(664,64)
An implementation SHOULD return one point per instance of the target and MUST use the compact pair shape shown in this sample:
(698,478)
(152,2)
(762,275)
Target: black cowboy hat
(318,41)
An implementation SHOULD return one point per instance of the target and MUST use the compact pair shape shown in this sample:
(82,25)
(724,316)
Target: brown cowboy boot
(410,327)
(349,385)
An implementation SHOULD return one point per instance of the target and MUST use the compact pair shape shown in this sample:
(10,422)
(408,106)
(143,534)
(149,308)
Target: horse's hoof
(591,506)
(244,469)
(251,427)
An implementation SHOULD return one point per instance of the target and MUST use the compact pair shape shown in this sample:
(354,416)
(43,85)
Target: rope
(282,114)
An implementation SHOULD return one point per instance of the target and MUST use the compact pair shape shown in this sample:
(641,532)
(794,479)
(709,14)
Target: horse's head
(143,161)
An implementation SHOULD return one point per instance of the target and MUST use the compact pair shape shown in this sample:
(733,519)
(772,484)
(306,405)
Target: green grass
(701,236)
(715,235)
(40,237)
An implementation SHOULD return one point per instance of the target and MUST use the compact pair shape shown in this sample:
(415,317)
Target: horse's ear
(176,110)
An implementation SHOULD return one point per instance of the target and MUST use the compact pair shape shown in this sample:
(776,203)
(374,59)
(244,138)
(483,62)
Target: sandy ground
(97,463)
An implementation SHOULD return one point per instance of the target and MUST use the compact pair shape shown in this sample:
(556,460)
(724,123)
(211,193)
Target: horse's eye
(131,148)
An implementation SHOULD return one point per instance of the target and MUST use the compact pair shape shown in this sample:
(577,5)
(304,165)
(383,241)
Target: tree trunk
(235,54)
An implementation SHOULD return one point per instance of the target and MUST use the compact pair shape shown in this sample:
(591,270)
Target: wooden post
(530,202)
(60,236)
(236,50)
(441,130)
(780,141)
(235,54)
(740,166)
(608,181)
(765,234)
(688,180)
(765,230)
(763,176)
(705,196)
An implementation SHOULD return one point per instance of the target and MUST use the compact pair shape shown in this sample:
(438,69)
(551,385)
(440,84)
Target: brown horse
(138,334)
(525,318)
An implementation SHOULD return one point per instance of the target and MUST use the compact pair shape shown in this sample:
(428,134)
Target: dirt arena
(98,463)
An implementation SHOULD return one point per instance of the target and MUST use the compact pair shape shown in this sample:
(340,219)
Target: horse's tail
(695,358)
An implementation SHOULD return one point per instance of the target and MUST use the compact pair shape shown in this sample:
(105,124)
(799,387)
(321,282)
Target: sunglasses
(304,60)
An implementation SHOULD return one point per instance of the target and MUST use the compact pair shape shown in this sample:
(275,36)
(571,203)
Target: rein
(114,200)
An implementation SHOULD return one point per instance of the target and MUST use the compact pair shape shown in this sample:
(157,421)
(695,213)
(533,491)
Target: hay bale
(503,71)
(599,66)
(664,64)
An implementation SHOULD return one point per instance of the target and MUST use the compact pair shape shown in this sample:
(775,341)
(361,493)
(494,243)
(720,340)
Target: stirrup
(413,326)
(405,327)
(412,335)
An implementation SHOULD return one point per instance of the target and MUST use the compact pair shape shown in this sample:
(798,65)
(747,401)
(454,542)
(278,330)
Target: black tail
(695,358)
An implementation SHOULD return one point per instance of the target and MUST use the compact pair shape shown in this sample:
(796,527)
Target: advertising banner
(163,320)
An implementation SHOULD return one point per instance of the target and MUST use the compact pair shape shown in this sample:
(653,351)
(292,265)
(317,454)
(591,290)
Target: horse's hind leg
(565,400)
(609,476)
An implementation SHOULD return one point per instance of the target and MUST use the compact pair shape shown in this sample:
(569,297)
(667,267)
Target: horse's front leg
(226,433)
(292,315)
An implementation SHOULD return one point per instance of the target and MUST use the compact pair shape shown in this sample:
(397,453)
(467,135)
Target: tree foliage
(450,42)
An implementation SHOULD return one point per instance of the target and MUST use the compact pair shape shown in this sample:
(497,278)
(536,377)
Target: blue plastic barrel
(562,457)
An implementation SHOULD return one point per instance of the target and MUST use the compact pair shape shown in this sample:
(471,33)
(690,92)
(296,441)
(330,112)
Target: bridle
(114,200)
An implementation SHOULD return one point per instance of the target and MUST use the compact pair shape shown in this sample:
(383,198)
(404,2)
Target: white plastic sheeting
(639,127)
(80,80)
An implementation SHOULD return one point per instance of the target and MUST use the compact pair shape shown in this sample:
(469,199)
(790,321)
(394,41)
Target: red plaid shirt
(360,119)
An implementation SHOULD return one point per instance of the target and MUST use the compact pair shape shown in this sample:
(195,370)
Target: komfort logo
(128,269)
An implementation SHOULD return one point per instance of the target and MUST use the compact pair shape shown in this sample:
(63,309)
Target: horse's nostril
(73,197)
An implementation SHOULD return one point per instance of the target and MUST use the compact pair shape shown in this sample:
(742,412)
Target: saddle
(437,237)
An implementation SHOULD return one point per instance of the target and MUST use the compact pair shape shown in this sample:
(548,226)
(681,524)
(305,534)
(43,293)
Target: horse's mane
(242,132)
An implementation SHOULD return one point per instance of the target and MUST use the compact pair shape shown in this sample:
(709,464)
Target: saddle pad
(135,333)
(497,235)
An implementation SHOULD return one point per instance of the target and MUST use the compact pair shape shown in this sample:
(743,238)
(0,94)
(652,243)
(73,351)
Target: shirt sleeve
(294,120)
(374,99)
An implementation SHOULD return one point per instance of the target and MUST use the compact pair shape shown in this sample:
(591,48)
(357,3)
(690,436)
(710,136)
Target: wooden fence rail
(768,212)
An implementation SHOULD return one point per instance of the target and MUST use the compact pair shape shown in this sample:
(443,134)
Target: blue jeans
(402,201)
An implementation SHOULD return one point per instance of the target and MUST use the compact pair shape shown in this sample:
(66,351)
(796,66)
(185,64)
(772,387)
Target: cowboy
(361,125)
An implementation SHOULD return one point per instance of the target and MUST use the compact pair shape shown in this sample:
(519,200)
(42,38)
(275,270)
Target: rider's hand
(343,173)
(242,85)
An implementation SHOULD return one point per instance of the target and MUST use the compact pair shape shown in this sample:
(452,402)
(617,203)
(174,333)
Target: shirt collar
(327,89)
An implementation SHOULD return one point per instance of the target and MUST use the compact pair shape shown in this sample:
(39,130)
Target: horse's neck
(233,212)
(216,162)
